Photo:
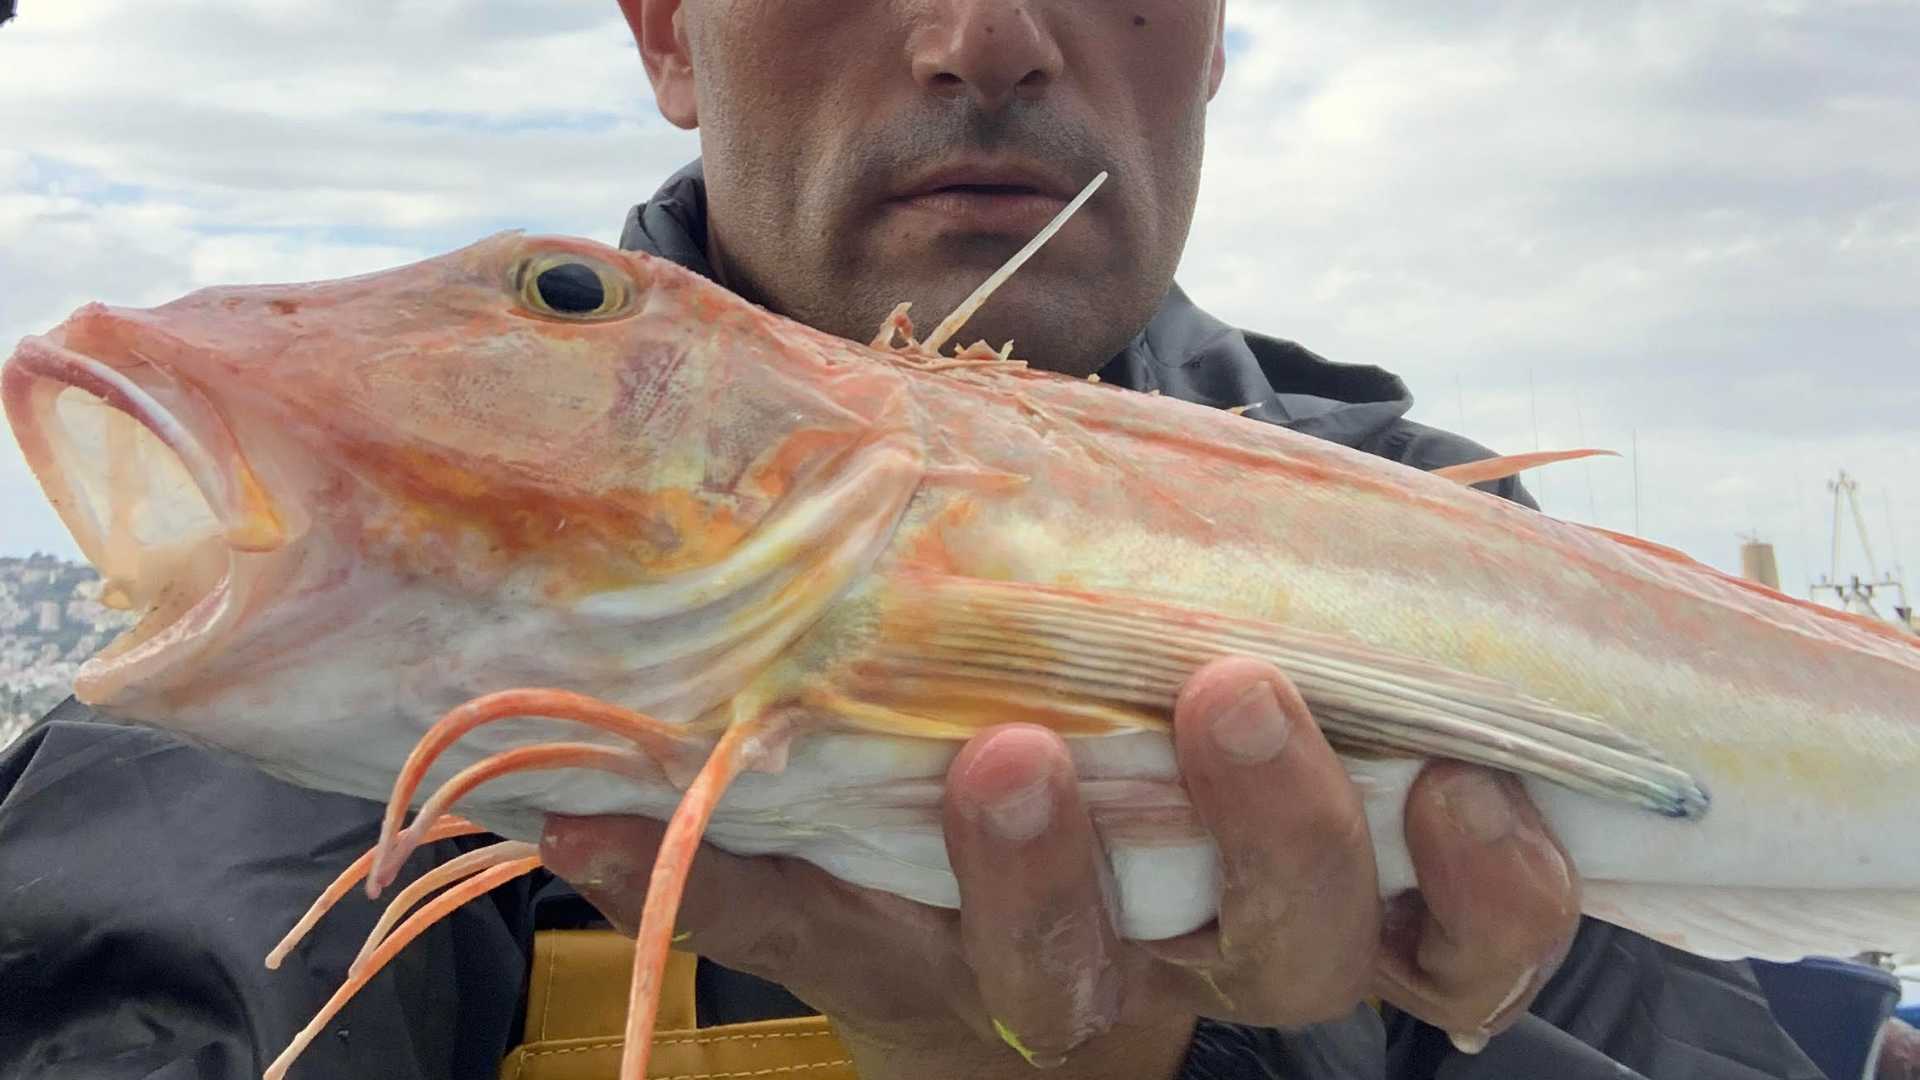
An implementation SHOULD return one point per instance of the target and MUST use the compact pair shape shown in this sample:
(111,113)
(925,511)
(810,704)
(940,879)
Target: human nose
(994,50)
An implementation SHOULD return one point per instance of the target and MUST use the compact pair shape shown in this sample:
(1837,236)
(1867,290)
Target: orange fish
(765,581)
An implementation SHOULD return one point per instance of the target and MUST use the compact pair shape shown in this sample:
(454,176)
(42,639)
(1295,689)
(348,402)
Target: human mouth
(1013,200)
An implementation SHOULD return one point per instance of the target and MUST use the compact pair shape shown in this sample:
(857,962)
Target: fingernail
(1253,729)
(582,863)
(1479,805)
(558,850)
(603,874)
(1037,1060)
(1015,795)
(1213,984)
(1468,1042)
(1513,997)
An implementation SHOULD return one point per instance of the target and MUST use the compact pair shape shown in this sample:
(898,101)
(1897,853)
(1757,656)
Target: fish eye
(571,287)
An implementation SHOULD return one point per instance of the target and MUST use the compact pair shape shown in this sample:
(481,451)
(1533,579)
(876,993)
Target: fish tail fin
(744,741)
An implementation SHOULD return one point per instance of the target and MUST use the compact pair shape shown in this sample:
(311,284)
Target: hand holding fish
(1032,959)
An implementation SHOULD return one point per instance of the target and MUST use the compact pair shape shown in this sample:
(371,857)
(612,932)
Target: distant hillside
(50,622)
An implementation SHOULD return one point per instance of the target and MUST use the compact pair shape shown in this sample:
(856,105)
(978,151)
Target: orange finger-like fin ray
(669,746)
(447,873)
(755,736)
(539,757)
(743,741)
(483,869)
(446,827)
(435,910)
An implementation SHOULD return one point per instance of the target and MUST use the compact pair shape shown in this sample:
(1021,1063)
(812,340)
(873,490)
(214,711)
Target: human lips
(990,198)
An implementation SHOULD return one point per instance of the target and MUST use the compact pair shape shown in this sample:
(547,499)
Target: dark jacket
(141,880)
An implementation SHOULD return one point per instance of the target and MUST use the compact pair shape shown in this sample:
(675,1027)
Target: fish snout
(102,331)
(174,341)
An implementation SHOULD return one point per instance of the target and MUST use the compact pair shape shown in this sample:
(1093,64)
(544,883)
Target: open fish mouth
(152,485)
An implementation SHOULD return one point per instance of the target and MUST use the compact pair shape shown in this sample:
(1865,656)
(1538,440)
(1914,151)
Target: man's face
(863,152)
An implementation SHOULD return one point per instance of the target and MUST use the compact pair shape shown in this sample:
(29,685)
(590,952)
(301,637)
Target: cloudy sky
(1686,226)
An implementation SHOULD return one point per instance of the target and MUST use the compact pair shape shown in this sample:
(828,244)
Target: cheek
(783,93)
(1149,83)
(770,68)
(1158,53)
(502,403)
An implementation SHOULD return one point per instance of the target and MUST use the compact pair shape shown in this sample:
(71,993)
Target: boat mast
(1855,594)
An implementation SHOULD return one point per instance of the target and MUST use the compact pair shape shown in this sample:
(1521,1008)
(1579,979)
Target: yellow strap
(579,986)
(577,1007)
(576,1011)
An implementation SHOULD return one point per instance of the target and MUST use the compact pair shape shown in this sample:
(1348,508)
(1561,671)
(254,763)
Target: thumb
(608,860)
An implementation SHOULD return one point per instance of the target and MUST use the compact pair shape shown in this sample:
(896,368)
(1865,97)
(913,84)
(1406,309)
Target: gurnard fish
(566,529)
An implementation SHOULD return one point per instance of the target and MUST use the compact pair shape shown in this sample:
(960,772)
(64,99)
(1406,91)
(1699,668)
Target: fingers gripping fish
(763,581)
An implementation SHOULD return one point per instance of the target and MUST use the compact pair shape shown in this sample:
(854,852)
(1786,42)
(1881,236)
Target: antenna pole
(1903,610)
(1860,523)
(1857,594)
(1893,531)
(1593,508)
(1533,405)
(1636,483)
(1836,486)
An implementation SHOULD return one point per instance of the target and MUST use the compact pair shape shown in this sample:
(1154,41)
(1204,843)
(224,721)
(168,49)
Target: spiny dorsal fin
(1499,468)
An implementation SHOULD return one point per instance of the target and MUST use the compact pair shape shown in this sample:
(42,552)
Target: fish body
(351,506)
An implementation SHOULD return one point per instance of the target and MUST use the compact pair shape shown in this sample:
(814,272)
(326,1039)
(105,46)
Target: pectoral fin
(950,656)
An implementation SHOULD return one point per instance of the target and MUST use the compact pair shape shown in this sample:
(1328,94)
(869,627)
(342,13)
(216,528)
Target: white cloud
(1691,225)
(1687,225)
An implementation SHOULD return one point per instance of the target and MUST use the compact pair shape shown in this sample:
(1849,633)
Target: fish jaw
(154,488)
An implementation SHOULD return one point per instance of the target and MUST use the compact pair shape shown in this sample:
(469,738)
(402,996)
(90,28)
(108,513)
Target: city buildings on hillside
(51,620)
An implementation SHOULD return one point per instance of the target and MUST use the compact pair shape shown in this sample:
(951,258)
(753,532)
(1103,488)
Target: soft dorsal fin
(1499,468)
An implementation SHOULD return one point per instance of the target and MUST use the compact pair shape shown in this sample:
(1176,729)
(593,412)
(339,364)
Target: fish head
(344,480)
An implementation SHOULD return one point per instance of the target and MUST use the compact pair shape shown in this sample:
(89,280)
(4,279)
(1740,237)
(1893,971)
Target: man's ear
(1219,52)
(657,29)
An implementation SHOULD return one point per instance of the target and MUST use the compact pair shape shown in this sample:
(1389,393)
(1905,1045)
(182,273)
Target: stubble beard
(809,256)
